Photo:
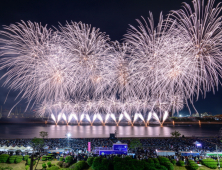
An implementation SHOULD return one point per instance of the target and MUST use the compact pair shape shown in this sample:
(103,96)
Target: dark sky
(111,16)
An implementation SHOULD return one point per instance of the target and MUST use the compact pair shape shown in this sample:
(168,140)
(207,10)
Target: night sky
(111,16)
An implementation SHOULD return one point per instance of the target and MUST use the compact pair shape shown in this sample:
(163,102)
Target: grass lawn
(41,162)
(186,168)
(21,166)
(18,166)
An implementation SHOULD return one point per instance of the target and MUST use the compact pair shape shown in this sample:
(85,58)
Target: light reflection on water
(8,131)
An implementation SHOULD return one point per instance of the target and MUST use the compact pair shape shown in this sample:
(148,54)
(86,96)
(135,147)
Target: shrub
(28,161)
(173,161)
(18,159)
(210,163)
(180,163)
(160,167)
(68,159)
(48,157)
(150,160)
(26,157)
(136,165)
(49,164)
(193,166)
(60,163)
(97,162)
(79,166)
(100,164)
(116,159)
(12,159)
(149,166)
(90,161)
(220,163)
(127,158)
(169,165)
(156,161)
(44,158)
(61,159)
(122,166)
(105,163)
(26,167)
(65,165)
(163,160)
(44,165)
(4,158)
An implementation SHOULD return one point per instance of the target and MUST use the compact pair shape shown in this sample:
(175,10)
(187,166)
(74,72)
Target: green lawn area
(19,166)
(41,162)
(185,168)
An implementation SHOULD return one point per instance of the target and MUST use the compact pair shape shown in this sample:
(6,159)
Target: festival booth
(165,153)
(60,151)
(46,147)
(197,144)
(118,148)
(183,153)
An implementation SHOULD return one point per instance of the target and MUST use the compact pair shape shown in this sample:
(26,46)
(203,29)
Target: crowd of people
(149,145)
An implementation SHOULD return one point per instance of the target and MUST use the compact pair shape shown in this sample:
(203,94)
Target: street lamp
(68,136)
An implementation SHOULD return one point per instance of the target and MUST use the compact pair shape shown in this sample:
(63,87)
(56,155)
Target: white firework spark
(37,65)
(89,49)
(162,63)
(156,70)
(202,25)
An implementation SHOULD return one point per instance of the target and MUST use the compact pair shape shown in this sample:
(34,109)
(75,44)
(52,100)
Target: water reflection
(59,131)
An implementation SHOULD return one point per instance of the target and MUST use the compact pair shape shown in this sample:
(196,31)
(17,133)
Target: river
(15,131)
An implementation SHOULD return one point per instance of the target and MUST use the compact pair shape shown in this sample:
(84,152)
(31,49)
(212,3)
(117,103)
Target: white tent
(2,148)
(16,148)
(22,148)
(165,153)
(10,147)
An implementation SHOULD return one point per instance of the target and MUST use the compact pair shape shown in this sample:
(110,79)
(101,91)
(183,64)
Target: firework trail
(90,52)
(202,24)
(37,65)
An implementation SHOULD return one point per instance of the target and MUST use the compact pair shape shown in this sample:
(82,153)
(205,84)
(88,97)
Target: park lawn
(186,168)
(21,165)
(18,166)
(41,162)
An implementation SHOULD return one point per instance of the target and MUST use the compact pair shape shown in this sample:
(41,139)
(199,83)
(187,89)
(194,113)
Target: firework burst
(202,25)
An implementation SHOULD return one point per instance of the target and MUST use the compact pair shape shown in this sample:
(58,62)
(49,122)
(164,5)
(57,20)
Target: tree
(43,134)
(175,134)
(37,143)
(135,143)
